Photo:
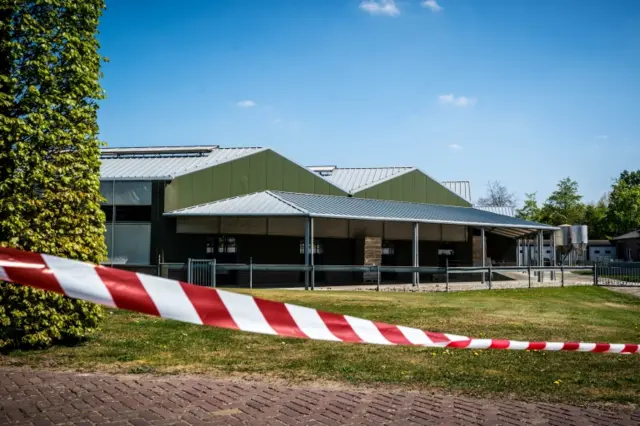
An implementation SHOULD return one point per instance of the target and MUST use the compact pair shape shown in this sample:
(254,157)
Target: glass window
(597,251)
(127,193)
(317,247)
(131,243)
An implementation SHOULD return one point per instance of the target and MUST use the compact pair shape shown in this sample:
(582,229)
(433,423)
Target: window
(387,249)
(130,243)
(126,193)
(607,252)
(226,244)
(128,213)
(317,247)
(596,251)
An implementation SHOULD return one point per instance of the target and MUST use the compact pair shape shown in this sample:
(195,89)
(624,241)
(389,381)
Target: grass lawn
(132,343)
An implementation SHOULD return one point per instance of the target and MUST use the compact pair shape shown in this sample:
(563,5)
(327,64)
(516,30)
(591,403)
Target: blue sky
(524,92)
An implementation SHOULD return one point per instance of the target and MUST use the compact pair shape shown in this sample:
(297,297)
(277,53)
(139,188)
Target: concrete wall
(415,187)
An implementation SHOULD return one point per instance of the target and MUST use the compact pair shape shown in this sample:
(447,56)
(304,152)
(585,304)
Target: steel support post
(307,231)
(312,254)
(540,255)
(416,255)
(484,252)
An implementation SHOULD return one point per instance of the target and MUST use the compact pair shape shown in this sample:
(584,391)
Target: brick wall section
(372,251)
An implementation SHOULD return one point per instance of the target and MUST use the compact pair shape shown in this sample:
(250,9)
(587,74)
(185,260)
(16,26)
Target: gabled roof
(628,236)
(277,203)
(354,180)
(156,164)
(462,188)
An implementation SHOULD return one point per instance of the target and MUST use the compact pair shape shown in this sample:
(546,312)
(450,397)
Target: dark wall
(501,249)
(623,246)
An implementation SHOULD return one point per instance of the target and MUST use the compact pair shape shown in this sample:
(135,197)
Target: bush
(32,318)
(49,158)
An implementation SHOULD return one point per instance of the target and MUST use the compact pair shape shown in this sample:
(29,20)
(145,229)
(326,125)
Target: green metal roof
(276,203)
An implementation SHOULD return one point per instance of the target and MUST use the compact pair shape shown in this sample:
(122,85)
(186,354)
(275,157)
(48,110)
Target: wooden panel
(365,228)
(397,231)
(454,233)
(198,225)
(287,226)
(429,232)
(330,228)
(243,225)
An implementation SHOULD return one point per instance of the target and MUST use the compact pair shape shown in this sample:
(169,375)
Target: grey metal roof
(628,235)
(503,210)
(167,167)
(256,204)
(276,203)
(353,180)
(460,187)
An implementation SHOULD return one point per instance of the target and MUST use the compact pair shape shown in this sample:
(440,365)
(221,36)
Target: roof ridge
(288,203)
(372,168)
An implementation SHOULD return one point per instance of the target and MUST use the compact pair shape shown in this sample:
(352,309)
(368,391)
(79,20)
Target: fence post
(189,271)
(529,271)
(213,273)
(562,275)
(446,273)
(251,272)
(159,266)
(378,272)
(595,274)
(490,274)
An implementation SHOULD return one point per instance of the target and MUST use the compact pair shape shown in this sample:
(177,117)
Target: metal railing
(617,274)
(206,272)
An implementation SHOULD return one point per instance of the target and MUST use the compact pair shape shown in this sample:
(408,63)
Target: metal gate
(201,272)
(618,274)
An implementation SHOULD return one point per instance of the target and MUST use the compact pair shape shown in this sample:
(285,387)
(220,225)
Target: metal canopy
(276,203)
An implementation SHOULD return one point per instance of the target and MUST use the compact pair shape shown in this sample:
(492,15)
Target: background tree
(530,210)
(596,218)
(497,196)
(49,157)
(564,205)
(624,203)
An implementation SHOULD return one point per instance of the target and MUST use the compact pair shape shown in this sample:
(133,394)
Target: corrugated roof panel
(460,187)
(356,179)
(323,205)
(276,203)
(256,204)
(503,210)
(167,167)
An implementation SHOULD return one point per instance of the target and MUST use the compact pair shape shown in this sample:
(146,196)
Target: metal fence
(617,274)
(207,272)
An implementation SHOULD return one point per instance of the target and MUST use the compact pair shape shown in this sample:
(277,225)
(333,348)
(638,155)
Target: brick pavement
(46,398)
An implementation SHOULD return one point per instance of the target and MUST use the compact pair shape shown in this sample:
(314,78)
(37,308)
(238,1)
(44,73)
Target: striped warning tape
(200,305)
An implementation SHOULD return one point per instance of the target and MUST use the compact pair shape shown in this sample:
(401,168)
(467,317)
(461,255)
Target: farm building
(170,204)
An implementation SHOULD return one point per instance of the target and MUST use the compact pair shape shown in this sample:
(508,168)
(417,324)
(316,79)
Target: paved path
(45,398)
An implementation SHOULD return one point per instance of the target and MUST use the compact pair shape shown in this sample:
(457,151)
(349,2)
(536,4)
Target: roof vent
(158,151)
(323,170)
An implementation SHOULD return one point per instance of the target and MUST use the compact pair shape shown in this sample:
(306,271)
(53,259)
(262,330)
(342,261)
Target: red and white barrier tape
(200,305)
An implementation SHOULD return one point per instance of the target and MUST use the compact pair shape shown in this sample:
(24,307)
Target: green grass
(131,343)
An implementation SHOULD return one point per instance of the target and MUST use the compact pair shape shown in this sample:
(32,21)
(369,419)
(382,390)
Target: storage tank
(579,236)
(565,236)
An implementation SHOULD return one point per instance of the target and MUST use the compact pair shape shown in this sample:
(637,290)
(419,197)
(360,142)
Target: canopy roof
(277,203)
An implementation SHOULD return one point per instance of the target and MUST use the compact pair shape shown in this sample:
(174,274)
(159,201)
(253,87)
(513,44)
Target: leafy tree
(530,209)
(497,196)
(596,218)
(49,157)
(624,203)
(564,205)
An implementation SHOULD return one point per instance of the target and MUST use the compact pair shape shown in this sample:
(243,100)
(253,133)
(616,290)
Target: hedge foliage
(49,158)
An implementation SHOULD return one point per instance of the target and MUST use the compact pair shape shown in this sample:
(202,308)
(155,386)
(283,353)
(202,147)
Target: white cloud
(460,101)
(455,147)
(432,4)
(246,104)
(380,7)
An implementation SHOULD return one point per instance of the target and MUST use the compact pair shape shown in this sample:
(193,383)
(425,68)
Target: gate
(618,274)
(201,272)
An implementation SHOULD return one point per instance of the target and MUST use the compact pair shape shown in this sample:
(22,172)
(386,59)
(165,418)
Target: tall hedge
(49,158)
